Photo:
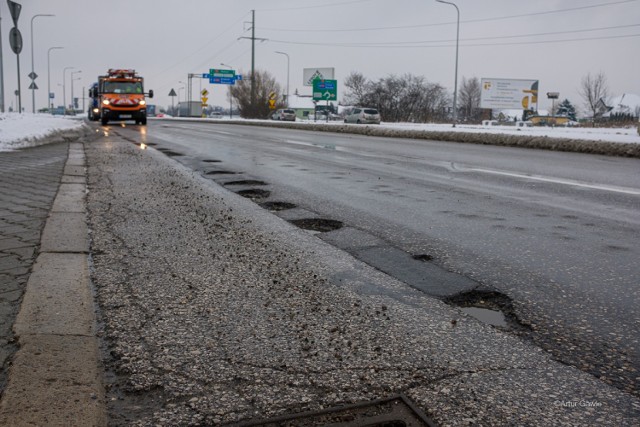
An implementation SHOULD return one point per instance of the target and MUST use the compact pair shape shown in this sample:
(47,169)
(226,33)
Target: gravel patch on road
(215,311)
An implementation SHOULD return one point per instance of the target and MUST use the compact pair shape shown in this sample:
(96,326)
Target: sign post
(15,40)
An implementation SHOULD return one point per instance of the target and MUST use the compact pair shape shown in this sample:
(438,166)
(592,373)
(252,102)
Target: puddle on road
(485,315)
(278,206)
(317,224)
(255,194)
(246,182)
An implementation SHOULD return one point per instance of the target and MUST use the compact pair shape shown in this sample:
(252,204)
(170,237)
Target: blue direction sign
(325,90)
(222,80)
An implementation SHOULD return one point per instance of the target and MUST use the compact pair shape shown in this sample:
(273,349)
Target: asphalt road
(555,235)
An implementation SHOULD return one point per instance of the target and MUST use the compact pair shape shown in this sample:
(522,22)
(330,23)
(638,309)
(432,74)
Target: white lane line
(624,190)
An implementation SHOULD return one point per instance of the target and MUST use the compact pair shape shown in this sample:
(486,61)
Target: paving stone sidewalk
(29,181)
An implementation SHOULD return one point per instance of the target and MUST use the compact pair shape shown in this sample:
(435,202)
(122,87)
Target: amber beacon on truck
(120,95)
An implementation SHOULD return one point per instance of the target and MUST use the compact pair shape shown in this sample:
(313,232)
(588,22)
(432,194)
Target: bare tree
(469,98)
(356,85)
(265,88)
(594,90)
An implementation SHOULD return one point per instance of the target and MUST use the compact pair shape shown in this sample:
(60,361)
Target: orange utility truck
(120,94)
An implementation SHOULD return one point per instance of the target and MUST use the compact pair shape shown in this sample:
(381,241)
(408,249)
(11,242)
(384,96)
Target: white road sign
(311,74)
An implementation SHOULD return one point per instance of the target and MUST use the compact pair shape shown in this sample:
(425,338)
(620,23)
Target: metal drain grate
(395,411)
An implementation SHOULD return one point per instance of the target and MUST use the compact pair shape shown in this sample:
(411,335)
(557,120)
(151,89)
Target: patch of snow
(28,130)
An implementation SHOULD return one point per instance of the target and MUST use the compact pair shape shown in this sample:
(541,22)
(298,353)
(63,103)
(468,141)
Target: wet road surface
(550,237)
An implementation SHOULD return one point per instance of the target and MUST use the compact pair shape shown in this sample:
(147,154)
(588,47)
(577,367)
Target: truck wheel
(104,121)
(143,120)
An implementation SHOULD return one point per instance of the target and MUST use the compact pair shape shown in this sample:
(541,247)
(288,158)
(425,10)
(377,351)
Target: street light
(285,54)
(72,79)
(455,83)
(64,89)
(33,83)
(230,98)
(50,101)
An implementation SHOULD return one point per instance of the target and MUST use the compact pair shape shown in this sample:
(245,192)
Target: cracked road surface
(215,311)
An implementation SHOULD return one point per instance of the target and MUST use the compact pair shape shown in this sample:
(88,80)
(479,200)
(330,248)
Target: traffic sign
(214,72)
(204,92)
(222,80)
(15,40)
(33,85)
(272,104)
(33,75)
(325,90)
(173,93)
(14,9)
(204,99)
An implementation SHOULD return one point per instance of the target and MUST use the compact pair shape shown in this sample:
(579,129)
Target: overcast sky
(166,40)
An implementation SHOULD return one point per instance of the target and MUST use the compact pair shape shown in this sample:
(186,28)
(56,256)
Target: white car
(284,114)
(363,115)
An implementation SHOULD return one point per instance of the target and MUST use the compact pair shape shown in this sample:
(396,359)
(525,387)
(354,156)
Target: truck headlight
(143,102)
(105,102)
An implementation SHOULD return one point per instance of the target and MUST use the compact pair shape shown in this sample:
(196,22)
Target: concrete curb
(56,376)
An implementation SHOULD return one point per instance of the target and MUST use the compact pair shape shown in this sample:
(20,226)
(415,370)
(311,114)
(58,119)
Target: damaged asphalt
(213,311)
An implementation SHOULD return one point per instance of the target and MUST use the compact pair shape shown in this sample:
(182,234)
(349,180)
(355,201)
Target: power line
(449,45)
(550,33)
(451,22)
(323,6)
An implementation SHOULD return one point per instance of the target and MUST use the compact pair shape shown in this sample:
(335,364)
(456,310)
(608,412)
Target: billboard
(509,94)
(311,74)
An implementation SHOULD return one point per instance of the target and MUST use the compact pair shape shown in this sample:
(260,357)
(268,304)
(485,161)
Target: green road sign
(221,73)
(325,90)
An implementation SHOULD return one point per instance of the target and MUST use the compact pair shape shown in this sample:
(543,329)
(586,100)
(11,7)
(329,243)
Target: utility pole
(253,57)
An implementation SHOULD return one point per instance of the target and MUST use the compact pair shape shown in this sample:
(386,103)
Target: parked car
(215,115)
(363,115)
(284,114)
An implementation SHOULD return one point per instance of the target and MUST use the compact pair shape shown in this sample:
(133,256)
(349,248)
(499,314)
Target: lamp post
(455,83)
(287,55)
(50,101)
(230,98)
(33,86)
(72,79)
(64,89)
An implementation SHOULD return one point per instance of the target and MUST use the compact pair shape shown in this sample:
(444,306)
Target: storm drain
(255,193)
(246,182)
(317,224)
(396,411)
(278,206)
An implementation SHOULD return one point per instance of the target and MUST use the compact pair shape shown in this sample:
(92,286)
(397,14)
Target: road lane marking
(624,190)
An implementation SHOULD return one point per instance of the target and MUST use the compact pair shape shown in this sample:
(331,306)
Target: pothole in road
(220,172)
(423,257)
(246,182)
(255,193)
(212,161)
(169,152)
(490,307)
(278,206)
(321,225)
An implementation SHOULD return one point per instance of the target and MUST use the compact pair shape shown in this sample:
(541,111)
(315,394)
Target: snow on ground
(28,130)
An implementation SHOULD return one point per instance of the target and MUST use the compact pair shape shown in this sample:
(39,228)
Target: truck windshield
(122,87)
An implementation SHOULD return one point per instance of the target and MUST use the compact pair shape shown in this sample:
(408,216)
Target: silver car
(284,114)
(363,115)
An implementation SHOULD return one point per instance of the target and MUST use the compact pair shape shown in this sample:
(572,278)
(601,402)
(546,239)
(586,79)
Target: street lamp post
(287,55)
(50,101)
(455,83)
(72,79)
(64,89)
(230,98)
(33,88)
